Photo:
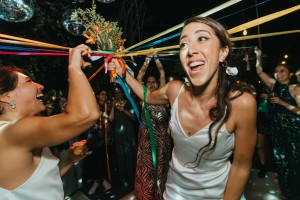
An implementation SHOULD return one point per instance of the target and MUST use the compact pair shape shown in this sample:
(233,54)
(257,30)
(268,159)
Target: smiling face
(204,43)
(102,97)
(151,83)
(282,74)
(118,94)
(200,53)
(28,96)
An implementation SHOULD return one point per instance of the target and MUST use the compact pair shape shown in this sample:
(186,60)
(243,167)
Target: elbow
(89,118)
(93,116)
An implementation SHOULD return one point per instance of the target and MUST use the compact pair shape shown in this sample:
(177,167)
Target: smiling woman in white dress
(28,170)
(212,117)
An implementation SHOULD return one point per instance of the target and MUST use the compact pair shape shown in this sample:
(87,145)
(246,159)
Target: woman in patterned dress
(144,179)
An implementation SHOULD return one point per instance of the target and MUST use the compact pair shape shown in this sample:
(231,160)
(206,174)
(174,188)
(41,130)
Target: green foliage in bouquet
(104,34)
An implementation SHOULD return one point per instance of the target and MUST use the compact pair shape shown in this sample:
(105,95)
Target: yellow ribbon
(218,8)
(29,42)
(249,37)
(262,20)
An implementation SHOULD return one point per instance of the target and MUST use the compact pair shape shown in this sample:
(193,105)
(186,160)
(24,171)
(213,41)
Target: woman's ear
(223,53)
(5,98)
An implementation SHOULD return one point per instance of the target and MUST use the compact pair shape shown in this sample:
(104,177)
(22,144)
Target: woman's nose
(192,49)
(39,86)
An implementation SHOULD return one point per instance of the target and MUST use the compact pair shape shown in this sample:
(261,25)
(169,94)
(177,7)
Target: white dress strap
(180,89)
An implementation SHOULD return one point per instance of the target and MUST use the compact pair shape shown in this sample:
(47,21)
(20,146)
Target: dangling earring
(224,63)
(12,104)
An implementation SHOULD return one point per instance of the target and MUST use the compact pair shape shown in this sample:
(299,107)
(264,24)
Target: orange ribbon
(113,73)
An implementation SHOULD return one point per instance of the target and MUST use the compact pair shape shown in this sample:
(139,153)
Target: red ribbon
(106,60)
(41,53)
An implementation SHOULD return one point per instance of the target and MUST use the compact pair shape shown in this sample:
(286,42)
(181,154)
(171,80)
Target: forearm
(162,76)
(259,70)
(64,166)
(81,98)
(237,180)
(129,114)
(135,85)
(290,107)
(111,116)
(152,97)
(268,81)
(143,69)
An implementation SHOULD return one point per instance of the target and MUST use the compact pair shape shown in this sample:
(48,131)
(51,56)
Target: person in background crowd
(262,122)
(54,105)
(97,138)
(28,169)
(159,114)
(263,129)
(285,126)
(212,117)
(122,117)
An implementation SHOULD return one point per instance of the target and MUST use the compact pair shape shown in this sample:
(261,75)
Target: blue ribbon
(136,111)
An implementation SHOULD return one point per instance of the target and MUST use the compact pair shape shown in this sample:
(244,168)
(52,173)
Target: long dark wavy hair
(9,80)
(226,84)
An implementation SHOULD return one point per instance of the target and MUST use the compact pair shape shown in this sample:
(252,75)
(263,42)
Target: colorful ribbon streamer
(153,145)
(262,20)
(136,111)
(216,9)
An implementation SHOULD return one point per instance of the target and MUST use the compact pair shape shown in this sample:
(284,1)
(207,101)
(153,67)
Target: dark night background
(142,19)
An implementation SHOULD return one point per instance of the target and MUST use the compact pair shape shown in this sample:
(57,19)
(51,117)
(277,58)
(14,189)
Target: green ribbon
(147,115)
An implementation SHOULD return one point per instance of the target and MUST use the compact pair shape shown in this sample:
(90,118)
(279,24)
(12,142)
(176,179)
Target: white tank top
(44,184)
(205,181)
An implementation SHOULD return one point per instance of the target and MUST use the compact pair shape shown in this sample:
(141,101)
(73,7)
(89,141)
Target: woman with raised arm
(159,114)
(285,125)
(28,169)
(212,117)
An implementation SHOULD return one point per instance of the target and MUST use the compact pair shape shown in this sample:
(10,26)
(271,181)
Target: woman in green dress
(285,126)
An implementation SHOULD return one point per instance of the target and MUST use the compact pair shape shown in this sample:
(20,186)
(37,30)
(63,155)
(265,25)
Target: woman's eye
(183,45)
(202,38)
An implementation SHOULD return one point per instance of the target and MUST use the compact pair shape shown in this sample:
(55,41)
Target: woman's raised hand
(76,56)
(115,65)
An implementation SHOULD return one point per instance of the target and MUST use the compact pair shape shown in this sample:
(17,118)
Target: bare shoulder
(173,88)
(175,84)
(244,101)
(18,132)
(3,134)
(295,92)
(244,107)
(243,113)
(294,89)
